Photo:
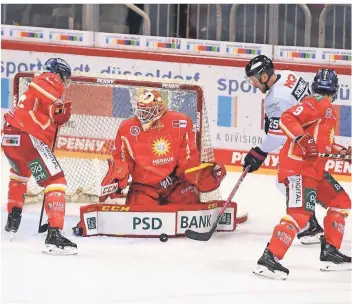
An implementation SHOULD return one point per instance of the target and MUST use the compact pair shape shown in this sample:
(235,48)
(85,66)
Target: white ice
(182,271)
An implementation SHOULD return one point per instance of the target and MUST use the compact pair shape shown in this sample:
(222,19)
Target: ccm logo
(212,206)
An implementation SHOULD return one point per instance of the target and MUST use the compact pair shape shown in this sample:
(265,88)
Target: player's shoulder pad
(290,85)
(48,83)
(131,124)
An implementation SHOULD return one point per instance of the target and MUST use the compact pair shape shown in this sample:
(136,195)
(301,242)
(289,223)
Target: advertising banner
(234,107)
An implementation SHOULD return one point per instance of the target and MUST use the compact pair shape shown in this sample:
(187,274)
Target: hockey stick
(43,228)
(205,236)
(337,156)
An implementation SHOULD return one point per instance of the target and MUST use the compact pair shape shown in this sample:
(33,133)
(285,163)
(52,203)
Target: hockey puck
(163,238)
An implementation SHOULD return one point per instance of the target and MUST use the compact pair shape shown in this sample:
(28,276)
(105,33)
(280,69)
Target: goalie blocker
(152,221)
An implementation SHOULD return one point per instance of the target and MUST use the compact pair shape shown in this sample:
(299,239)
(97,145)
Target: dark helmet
(326,82)
(58,66)
(259,65)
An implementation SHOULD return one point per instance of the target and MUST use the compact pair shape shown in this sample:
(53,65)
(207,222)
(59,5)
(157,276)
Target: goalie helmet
(60,67)
(150,107)
(326,82)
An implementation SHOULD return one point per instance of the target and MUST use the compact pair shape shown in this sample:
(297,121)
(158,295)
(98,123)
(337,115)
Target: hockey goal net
(99,104)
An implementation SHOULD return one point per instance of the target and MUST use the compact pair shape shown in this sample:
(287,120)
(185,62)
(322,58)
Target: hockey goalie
(157,149)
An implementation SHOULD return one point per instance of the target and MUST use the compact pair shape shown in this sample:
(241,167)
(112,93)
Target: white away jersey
(285,93)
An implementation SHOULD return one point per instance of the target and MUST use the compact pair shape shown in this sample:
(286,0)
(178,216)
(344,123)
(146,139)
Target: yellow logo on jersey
(331,136)
(161,147)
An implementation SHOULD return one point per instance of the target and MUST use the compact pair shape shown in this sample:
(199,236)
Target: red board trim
(143,55)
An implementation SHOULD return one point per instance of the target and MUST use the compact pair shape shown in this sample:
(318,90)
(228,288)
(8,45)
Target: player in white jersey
(283,90)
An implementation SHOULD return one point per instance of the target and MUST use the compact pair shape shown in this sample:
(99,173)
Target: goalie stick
(205,236)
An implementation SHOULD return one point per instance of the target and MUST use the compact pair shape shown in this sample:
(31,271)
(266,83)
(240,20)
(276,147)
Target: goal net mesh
(99,104)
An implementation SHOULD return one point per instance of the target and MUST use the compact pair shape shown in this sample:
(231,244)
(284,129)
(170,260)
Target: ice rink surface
(181,271)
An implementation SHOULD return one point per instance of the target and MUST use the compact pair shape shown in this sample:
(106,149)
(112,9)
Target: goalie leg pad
(55,202)
(182,193)
(139,194)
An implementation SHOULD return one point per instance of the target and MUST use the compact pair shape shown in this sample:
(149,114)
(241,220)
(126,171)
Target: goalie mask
(150,108)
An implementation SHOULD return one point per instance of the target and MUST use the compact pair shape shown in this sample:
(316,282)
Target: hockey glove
(266,124)
(346,151)
(206,177)
(255,159)
(308,147)
(61,112)
(117,173)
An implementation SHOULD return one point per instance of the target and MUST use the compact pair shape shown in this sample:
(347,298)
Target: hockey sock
(16,194)
(55,204)
(334,226)
(282,238)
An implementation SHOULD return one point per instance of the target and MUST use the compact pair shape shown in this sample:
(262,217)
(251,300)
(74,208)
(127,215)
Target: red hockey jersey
(314,115)
(154,154)
(33,112)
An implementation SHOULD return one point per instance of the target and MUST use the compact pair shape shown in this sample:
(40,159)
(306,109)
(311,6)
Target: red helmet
(150,106)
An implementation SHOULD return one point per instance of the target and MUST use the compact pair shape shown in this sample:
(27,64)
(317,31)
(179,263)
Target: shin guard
(282,238)
(16,193)
(55,203)
(334,226)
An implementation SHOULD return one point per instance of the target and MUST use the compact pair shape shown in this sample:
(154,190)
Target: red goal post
(100,103)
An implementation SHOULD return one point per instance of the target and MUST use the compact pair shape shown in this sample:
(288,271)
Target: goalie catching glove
(206,177)
(115,180)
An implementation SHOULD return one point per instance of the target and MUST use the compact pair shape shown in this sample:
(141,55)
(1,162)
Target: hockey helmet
(326,82)
(257,66)
(150,106)
(58,66)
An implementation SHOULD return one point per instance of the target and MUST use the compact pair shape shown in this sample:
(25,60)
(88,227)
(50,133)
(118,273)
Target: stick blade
(198,236)
(43,228)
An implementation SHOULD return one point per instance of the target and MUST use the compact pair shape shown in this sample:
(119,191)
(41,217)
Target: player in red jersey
(157,148)
(309,127)
(28,136)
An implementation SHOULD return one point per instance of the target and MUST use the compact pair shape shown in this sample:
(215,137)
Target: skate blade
(330,266)
(53,250)
(310,240)
(11,235)
(266,273)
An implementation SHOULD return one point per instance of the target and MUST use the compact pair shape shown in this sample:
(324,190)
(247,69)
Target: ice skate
(13,221)
(332,259)
(311,233)
(268,266)
(57,244)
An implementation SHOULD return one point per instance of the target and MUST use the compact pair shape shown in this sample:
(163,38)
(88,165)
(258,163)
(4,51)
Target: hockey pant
(302,193)
(28,156)
(180,192)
